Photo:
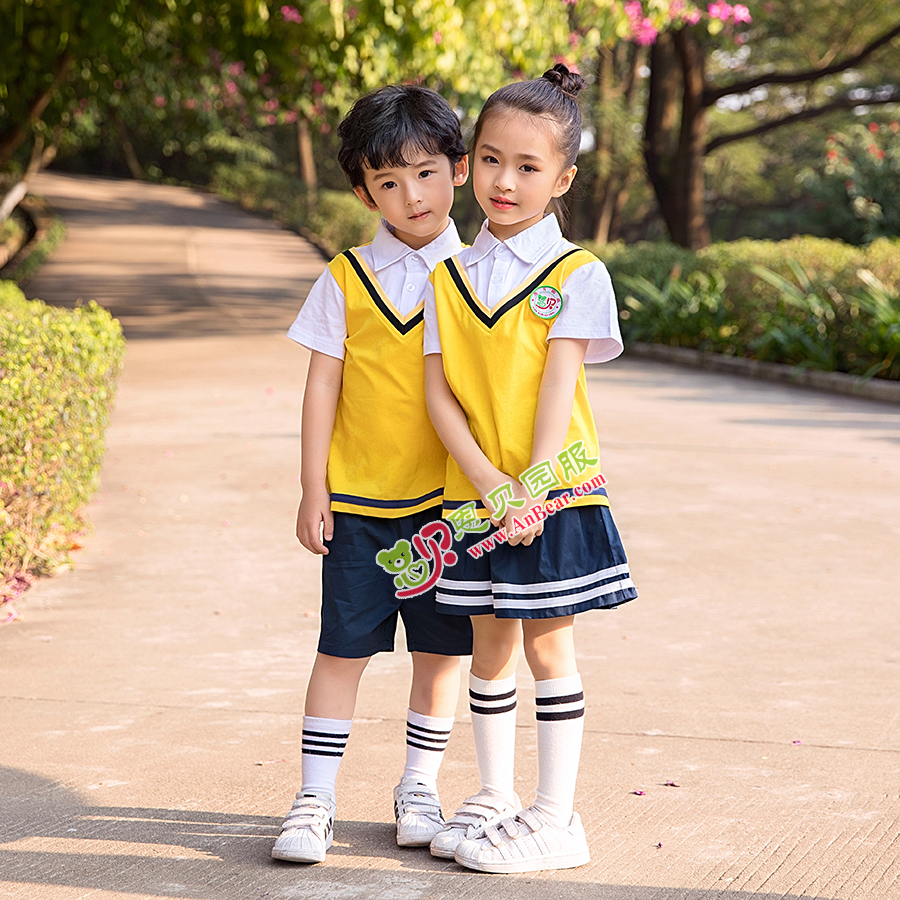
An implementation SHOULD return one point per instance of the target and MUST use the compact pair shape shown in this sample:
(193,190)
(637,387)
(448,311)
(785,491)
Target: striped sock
(493,706)
(426,741)
(560,725)
(324,741)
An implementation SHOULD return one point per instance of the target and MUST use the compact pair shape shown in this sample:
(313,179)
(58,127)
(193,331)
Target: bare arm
(320,399)
(565,357)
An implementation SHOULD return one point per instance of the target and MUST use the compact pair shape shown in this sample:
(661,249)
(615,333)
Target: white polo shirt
(402,272)
(495,268)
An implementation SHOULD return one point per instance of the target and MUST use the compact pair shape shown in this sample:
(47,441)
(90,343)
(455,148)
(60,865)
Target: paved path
(151,699)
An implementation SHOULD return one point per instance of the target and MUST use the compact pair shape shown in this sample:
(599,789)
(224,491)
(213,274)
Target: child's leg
(492,700)
(550,651)
(330,702)
(432,703)
(429,721)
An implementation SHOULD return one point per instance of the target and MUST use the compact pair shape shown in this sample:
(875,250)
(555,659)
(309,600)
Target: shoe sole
(443,854)
(297,856)
(510,867)
(414,841)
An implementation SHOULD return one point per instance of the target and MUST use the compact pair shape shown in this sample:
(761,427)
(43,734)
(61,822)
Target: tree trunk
(131,160)
(675,135)
(307,159)
(14,136)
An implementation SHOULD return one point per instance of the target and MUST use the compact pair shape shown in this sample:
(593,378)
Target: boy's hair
(386,124)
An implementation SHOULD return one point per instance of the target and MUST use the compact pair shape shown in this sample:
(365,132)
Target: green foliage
(807,301)
(337,218)
(38,251)
(57,383)
(858,185)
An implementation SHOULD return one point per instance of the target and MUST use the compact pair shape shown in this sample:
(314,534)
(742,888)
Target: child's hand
(526,535)
(315,521)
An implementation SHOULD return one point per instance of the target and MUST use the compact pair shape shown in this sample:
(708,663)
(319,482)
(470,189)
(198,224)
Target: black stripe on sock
(559,716)
(410,743)
(552,701)
(487,698)
(307,752)
(492,710)
(427,730)
(424,737)
(328,734)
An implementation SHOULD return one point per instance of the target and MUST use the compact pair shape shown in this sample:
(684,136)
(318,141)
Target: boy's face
(415,199)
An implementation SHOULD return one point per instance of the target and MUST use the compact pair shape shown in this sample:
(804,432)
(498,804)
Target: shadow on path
(49,837)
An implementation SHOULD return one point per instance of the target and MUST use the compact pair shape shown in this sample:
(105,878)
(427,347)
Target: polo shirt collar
(528,245)
(387,250)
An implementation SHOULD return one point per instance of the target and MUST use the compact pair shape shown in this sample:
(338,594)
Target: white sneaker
(482,809)
(307,830)
(417,809)
(526,843)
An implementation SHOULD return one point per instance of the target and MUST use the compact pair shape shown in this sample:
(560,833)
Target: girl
(510,323)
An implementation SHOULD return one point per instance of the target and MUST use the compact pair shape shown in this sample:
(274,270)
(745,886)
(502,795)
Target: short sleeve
(321,323)
(431,343)
(589,312)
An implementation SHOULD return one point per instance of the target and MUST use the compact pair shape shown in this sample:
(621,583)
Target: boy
(372,468)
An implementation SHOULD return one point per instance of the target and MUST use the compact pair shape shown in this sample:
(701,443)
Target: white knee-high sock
(426,741)
(493,706)
(560,725)
(324,741)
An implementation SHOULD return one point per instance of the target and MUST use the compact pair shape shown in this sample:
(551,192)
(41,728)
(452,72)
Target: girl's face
(516,171)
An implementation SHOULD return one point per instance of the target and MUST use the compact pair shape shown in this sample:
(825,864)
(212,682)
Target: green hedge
(806,301)
(58,371)
(337,219)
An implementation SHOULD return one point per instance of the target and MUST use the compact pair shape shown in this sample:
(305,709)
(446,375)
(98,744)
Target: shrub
(337,218)
(57,383)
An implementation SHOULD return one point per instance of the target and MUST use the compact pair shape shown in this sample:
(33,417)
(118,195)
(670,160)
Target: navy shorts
(359,604)
(576,564)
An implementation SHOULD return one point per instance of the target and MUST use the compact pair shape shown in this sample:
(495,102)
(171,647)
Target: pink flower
(290,116)
(271,120)
(318,88)
(645,33)
(873,127)
(894,126)
(236,68)
(190,103)
(159,100)
(290,14)
(693,17)
(720,10)
(118,85)
(231,87)
(742,14)
(438,37)
(832,154)
(352,13)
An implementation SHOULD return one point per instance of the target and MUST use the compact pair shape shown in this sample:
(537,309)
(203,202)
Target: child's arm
(320,399)
(565,357)
(452,426)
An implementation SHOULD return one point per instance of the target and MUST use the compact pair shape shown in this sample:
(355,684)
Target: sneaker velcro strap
(534,822)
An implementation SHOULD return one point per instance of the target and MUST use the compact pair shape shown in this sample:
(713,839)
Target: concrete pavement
(151,699)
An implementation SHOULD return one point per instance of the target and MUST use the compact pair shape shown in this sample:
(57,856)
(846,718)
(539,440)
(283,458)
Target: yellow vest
(385,459)
(494,362)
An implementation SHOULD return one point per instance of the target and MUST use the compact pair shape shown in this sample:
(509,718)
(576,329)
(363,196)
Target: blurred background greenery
(702,122)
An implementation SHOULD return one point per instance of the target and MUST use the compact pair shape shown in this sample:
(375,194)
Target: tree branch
(811,113)
(711,95)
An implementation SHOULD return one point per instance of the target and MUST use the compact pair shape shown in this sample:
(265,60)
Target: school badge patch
(545,301)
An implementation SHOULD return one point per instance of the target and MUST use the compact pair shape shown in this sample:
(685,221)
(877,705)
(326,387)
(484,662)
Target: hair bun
(570,83)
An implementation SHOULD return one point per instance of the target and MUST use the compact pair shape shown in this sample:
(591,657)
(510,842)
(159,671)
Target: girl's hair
(552,97)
